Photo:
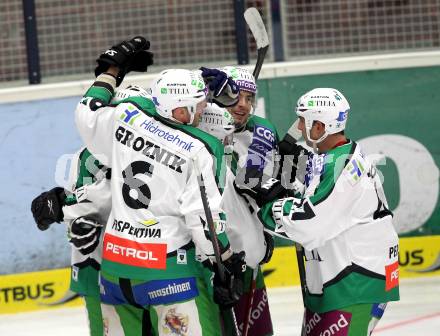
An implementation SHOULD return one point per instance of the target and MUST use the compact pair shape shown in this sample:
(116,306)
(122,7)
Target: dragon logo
(175,323)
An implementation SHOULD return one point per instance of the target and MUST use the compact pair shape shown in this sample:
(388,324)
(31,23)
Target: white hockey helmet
(243,78)
(129,91)
(326,105)
(217,121)
(178,88)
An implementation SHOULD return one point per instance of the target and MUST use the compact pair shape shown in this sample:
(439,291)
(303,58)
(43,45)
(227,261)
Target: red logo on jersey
(128,252)
(392,276)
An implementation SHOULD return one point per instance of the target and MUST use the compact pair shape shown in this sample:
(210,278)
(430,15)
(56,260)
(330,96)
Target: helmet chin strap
(315,142)
(192,114)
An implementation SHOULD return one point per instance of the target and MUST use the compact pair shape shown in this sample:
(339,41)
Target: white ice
(418,313)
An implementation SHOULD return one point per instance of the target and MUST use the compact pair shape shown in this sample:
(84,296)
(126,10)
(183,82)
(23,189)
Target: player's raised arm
(93,116)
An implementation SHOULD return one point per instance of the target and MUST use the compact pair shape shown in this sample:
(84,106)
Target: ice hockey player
(158,220)
(254,145)
(85,208)
(342,220)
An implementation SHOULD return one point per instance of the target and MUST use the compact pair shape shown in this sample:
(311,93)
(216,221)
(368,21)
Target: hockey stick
(302,280)
(213,235)
(256,25)
(292,136)
(250,302)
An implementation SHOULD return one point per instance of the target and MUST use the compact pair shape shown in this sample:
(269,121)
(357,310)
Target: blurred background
(51,40)
(384,55)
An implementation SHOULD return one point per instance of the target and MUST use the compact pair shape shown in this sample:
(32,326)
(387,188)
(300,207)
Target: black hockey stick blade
(260,59)
(213,235)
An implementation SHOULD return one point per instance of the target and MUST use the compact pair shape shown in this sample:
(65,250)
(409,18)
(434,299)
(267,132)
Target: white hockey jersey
(90,196)
(157,213)
(253,146)
(343,222)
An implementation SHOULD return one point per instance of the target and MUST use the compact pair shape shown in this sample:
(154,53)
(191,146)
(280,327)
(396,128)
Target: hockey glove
(222,90)
(47,208)
(228,292)
(288,146)
(258,186)
(84,234)
(270,245)
(128,56)
(290,152)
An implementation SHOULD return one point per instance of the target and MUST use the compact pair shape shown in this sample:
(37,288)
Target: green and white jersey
(254,146)
(157,217)
(89,187)
(343,222)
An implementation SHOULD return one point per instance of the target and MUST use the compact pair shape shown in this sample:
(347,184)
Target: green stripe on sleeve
(99,93)
(265,216)
(335,161)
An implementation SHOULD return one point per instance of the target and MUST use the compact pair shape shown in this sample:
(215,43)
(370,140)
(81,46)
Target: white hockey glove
(84,234)
(277,214)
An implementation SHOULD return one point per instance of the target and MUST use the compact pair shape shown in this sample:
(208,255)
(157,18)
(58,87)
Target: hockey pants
(180,306)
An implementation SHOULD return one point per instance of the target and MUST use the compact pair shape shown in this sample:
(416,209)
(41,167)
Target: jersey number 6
(136,193)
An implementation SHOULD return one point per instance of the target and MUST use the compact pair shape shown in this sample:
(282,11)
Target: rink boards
(418,256)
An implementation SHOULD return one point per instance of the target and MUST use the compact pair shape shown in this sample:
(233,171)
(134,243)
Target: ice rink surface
(418,313)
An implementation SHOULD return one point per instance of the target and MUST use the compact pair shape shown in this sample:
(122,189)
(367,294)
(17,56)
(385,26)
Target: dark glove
(290,152)
(258,186)
(227,292)
(270,245)
(47,208)
(84,234)
(128,56)
(288,146)
(222,89)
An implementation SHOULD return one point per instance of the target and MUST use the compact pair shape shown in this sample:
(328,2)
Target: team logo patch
(354,169)
(181,257)
(391,276)
(175,323)
(129,115)
(342,116)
